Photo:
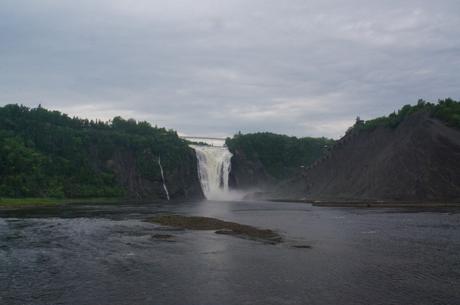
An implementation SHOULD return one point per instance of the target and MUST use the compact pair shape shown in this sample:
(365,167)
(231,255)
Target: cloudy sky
(215,67)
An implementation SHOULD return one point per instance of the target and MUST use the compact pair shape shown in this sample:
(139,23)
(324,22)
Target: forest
(49,154)
(280,155)
(447,110)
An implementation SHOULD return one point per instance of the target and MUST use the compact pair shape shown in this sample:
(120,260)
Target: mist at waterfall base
(214,166)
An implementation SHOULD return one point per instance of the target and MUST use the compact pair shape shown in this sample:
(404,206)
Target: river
(107,254)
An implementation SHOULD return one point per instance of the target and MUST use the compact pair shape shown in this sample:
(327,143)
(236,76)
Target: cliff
(48,154)
(181,179)
(417,159)
(247,173)
(260,160)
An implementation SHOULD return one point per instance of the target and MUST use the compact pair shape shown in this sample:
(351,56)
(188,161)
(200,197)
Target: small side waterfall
(163,178)
(213,169)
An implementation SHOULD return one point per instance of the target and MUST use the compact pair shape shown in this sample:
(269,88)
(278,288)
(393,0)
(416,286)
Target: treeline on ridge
(280,155)
(48,154)
(447,110)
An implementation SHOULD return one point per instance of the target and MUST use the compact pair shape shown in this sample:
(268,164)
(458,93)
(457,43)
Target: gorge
(47,154)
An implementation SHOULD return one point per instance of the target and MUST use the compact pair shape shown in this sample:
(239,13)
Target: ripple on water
(113,257)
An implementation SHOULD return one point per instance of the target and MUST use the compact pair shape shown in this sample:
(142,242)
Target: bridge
(205,138)
(214,141)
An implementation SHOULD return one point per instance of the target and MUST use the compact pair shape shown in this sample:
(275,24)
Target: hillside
(263,159)
(412,155)
(48,154)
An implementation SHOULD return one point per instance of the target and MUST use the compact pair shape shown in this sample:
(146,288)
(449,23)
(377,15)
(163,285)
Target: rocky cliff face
(46,153)
(419,160)
(181,181)
(260,160)
(247,174)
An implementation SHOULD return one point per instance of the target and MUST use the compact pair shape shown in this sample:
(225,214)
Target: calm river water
(107,254)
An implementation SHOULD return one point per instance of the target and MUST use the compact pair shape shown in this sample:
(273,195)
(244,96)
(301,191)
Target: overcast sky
(216,67)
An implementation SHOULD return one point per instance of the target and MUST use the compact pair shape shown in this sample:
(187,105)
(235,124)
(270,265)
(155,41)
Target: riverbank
(47,202)
(372,204)
(388,204)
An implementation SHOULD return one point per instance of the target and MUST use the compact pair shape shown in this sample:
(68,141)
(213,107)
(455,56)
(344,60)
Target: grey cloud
(304,68)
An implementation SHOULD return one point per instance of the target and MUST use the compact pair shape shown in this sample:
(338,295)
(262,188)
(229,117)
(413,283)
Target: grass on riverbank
(39,202)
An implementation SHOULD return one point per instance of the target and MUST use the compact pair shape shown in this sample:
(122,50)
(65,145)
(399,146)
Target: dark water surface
(108,255)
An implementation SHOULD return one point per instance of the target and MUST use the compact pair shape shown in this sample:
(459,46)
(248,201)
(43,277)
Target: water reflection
(109,255)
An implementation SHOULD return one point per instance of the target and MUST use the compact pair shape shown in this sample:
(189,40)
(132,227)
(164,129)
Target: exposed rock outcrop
(419,160)
(247,174)
(182,181)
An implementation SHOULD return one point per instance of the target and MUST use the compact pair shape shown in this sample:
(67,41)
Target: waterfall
(163,179)
(213,169)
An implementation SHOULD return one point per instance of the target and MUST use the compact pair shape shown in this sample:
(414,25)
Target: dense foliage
(48,154)
(280,155)
(447,110)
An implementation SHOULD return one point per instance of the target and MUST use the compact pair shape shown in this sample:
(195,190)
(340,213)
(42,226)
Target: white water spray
(213,169)
(163,178)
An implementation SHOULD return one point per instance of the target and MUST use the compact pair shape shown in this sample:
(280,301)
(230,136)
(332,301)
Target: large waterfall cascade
(214,169)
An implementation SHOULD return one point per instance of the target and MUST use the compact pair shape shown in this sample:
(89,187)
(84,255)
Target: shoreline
(8,203)
(13,203)
(372,204)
